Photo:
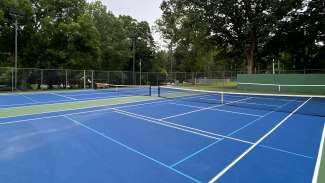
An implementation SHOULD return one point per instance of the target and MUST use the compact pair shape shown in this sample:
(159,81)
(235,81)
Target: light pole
(16,14)
(140,64)
(133,70)
(134,37)
(171,56)
(273,66)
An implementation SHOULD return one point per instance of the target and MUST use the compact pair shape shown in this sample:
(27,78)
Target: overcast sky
(142,10)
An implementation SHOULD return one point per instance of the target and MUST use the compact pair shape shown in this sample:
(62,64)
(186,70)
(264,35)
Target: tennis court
(132,135)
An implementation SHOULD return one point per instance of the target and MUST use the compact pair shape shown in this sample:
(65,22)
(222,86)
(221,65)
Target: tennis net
(126,89)
(266,102)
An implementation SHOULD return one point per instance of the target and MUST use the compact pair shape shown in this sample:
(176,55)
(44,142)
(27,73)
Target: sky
(142,10)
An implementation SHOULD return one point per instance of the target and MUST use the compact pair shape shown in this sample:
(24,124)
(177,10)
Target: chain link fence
(56,79)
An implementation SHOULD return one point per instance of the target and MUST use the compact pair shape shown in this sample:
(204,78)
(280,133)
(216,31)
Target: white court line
(182,126)
(24,104)
(76,113)
(140,105)
(63,96)
(257,103)
(215,109)
(34,101)
(241,128)
(147,118)
(277,99)
(267,114)
(131,149)
(51,102)
(186,97)
(319,158)
(214,179)
(103,97)
(46,92)
(264,146)
(20,104)
(285,151)
(207,108)
(141,116)
(84,94)
(166,125)
(106,105)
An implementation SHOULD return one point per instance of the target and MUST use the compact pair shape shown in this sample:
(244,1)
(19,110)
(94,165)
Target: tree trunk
(250,61)
(250,53)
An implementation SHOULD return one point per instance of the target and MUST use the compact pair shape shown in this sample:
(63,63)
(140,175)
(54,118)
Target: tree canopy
(247,33)
(73,34)
(202,35)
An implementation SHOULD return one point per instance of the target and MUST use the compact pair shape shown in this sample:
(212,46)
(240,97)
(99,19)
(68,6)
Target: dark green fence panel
(284,83)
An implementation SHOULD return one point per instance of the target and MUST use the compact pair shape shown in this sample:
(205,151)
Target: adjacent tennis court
(165,134)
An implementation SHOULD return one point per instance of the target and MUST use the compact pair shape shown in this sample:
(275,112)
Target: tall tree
(114,43)
(237,26)
(139,34)
(308,24)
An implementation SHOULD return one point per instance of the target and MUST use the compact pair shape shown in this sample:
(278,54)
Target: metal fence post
(92,79)
(42,76)
(122,77)
(108,77)
(12,79)
(66,79)
(84,79)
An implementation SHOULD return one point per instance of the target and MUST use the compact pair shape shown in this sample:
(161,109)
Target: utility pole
(16,52)
(16,14)
(140,64)
(134,54)
(171,56)
(273,66)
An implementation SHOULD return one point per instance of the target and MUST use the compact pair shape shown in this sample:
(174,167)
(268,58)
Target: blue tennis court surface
(28,99)
(162,140)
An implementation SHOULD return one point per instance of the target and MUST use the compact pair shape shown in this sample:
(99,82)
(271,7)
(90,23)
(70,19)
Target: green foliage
(254,31)
(73,34)
(303,36)
(203,35)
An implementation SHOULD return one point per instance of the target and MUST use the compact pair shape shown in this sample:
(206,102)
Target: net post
(222,98)
(159,90)
(150,90)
